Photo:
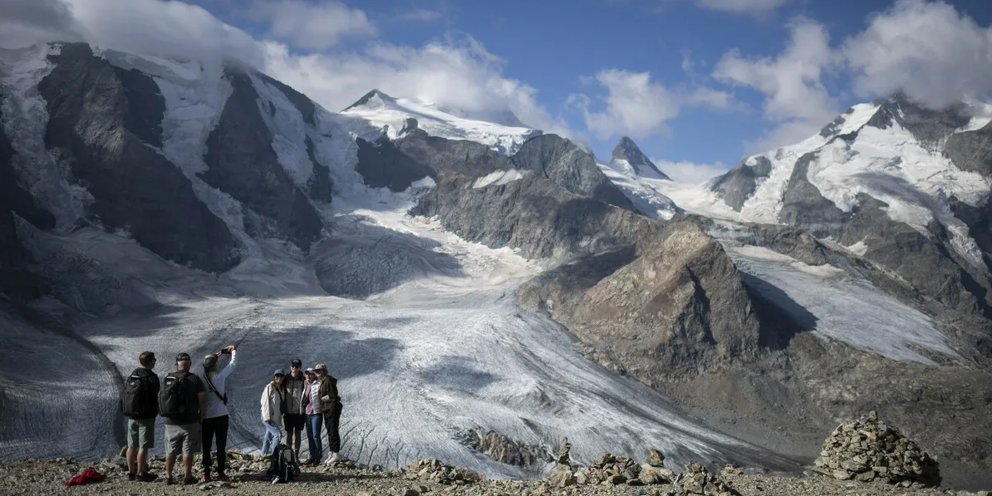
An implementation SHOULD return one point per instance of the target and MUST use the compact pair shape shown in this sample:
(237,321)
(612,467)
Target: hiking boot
(221,476)
(205,477)
(145,477)
(169,481)
(189,480)
(130,476)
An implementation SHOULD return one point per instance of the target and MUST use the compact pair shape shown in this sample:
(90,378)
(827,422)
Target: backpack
(138,395)
(282,464)
(172,401)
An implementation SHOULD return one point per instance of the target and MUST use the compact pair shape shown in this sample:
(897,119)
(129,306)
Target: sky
(698,84)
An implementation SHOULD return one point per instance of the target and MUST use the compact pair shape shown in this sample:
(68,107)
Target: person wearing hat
(271,402)
(182,431)
(330,407)
(311,405)
(293,417)
(216,420)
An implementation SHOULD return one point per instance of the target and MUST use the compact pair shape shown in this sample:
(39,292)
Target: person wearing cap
(141,427)
(183,431)
(271,402)
(330,407)
(311,405)
(216,420)
(293,417)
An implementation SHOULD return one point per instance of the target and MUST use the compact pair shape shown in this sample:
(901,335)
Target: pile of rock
(435,471)
(695,479)
(868,449)
(505,450)
(611,469)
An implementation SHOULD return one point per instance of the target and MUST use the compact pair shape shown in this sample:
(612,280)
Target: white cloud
(690,172)
(709,97)
(25,22)
(742,6)
(927,50)
(457,74)
(794,95)
(634,105)
(173,29)
(311,26)
(419,15)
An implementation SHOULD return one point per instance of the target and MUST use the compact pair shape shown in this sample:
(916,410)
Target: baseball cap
(320,366)
(182,357)
(309,370)
(296,362)
(279,372)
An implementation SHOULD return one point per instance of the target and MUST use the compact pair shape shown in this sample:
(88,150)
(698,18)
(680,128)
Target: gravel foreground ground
(49,476)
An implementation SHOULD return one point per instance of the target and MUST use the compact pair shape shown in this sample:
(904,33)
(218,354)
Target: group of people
(194,408)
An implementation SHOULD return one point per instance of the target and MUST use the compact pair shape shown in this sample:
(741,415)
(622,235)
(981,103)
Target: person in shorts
(182,432)
(141,425)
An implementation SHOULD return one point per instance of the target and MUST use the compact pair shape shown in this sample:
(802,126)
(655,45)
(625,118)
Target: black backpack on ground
(172,401)
(282,464)
(139,395)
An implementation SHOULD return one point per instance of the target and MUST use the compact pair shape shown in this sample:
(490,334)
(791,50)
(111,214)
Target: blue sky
(697,83)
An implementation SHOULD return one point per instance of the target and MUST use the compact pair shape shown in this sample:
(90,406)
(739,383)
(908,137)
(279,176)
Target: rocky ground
(425,477)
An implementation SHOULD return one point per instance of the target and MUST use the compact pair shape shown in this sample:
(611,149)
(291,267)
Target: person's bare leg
(142,460)
(188,464)
(132,464)
(170,460)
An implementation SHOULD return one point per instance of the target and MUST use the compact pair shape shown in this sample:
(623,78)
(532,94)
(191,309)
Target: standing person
(139,402)
(182,401)
(293,417)
(271,402)
(311,401)
(330,406)
(216,420)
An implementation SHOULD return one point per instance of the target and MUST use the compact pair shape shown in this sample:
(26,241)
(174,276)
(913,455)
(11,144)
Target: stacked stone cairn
(434,470)
(868,449)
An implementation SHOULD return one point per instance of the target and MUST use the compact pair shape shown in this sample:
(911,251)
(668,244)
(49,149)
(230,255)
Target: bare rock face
(868,449)
(672,304)
(105,123)
(505,450)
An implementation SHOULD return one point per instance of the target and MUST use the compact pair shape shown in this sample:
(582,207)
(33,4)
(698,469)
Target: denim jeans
(313,436)
(271,438)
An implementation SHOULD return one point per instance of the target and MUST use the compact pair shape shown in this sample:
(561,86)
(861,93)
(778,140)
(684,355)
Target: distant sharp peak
(374,98)
(627,151)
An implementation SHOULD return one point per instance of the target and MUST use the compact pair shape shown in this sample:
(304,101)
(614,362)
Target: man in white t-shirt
(215,420)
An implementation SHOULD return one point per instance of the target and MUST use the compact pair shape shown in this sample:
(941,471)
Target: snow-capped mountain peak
(628,158)
(391,116)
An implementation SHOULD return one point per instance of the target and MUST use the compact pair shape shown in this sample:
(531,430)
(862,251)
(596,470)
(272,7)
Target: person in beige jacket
(271,403)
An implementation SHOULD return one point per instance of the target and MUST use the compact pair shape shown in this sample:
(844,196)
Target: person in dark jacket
(141,426)
(293,417)
(330,406)
(183,431)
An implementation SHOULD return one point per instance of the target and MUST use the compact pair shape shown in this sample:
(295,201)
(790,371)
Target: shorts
(183,438)
(141,433)
(294,421)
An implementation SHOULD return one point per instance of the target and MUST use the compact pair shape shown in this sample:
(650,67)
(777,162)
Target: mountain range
(462,274)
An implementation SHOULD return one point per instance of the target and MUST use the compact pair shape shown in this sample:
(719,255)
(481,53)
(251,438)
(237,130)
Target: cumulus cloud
(742,6)
(26,22)
(634,105)
(794,95)
(152,27)
(311,26)
(690,172)
(927,50)
(458,74)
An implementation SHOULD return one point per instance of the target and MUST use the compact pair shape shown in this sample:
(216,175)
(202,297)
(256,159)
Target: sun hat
(320,366)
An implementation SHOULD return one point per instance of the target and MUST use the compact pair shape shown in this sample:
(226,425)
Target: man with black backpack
(216,420)
(182,401)
(139,404)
